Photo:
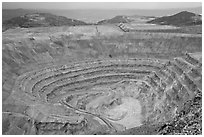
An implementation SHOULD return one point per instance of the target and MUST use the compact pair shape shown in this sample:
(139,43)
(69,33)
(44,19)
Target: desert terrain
(117,76)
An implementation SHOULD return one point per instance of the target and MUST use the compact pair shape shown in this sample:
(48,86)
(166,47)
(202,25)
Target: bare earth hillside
(183,18)
(39,20)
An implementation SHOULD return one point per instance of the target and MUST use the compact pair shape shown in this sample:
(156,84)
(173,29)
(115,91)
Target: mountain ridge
(95,15)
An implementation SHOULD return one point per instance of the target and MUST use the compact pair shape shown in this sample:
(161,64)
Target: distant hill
(40,20)
(116,19)
(183,18)
(95,15)
(11,13)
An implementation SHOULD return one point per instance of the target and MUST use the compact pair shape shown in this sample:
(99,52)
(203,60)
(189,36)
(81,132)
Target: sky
(99,5)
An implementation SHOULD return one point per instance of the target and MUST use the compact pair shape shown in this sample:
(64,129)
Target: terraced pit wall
(162,87)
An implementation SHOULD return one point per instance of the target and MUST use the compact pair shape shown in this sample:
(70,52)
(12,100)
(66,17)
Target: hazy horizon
(88,13)
(100,5)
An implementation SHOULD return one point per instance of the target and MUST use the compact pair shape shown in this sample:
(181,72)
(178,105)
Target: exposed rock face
(180,19)
(83,98)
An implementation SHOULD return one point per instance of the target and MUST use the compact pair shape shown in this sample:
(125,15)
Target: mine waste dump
(100,79)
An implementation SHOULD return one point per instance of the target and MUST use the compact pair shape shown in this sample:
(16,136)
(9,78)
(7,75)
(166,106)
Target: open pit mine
(106,95)
(101,79)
